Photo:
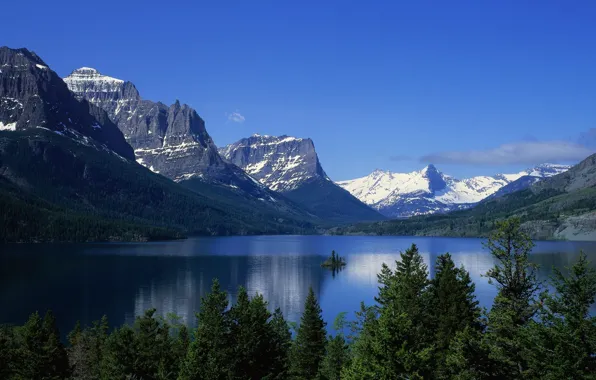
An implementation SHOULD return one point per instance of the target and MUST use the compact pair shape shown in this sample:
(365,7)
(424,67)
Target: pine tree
(86,349)
(563,345)
(514,275)
(180,343)
(7,352)
(399,342)
(40,353)
(281,340)
(453,305)
(469,357)
(119,355)
(363,363)
(515,304)
(309,347)
(209,355)
(56,359)
(252,337)
(336,352)
(155,355)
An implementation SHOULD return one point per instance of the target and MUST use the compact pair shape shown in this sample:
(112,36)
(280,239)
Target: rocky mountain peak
(436,182)
(170,140)
(34,96)
(281,163)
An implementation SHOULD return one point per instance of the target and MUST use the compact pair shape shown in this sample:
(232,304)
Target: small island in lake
(334,262)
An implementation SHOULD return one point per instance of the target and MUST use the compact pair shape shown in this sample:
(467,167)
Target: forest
(418,328)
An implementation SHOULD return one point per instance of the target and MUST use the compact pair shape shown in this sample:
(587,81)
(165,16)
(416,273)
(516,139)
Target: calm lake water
(84,281)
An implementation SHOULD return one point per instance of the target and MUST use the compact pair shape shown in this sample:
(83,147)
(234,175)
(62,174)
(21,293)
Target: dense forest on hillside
(419,328)
(540,212)
(55,189)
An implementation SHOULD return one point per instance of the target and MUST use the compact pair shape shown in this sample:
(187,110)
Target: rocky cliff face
(281,163)
(169,140)
(291,166)
(34,96)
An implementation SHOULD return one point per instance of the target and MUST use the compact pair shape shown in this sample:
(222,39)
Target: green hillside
(55,189)
(560,207)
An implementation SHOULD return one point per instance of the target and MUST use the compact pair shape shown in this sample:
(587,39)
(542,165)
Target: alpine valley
(86,158)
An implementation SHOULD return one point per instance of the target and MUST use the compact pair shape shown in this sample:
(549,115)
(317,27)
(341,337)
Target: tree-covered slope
(561,207)
(330,202)
(63,181)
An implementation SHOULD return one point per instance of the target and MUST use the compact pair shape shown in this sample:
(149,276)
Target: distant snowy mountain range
(429,191)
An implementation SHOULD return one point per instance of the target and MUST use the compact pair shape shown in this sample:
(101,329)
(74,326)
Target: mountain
(429,191)
(33,96)
(169,140)
(291,166)
(68,174)
(562,206)
(521,183)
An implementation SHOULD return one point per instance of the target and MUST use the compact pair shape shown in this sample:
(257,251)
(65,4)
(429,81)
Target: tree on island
(334,262)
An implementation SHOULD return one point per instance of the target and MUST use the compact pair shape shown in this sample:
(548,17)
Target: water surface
(84,281)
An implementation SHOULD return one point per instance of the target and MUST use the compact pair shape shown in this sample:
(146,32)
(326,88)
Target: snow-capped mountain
(291,166)
(429,191)
(170,140)
(33,96)
(281,163)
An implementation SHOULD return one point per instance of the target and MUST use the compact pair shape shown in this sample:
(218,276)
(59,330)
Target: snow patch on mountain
(429,191)
(281,163)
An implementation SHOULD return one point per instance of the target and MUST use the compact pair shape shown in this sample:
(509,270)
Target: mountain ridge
(77,180)
(429,191)
(562,206)
(173,141)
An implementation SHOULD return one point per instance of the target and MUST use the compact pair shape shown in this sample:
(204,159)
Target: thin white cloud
(518,153)
(236,117)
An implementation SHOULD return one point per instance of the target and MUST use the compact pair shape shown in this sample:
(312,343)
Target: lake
(84,281)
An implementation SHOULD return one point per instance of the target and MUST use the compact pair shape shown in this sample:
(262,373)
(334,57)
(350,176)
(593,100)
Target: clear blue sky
(477,87)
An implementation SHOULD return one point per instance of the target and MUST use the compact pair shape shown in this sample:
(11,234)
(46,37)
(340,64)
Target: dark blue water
(84,281)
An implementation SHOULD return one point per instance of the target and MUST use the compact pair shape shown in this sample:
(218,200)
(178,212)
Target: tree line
(418,328)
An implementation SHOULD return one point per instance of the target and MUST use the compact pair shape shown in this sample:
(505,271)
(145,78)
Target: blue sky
(476,87)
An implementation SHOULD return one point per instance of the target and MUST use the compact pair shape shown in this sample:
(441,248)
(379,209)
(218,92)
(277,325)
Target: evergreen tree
(180,342)
(86,349)
(252,337)
(398,343)
(336,352)
(453,306)
(562,344)
(363,363)
(515,304)
(7,352)
(281,343)
(513,275)
(309,347)
(41,355)
(468,357)
(155,356)
(209,355)
(55,357)
(119,355)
